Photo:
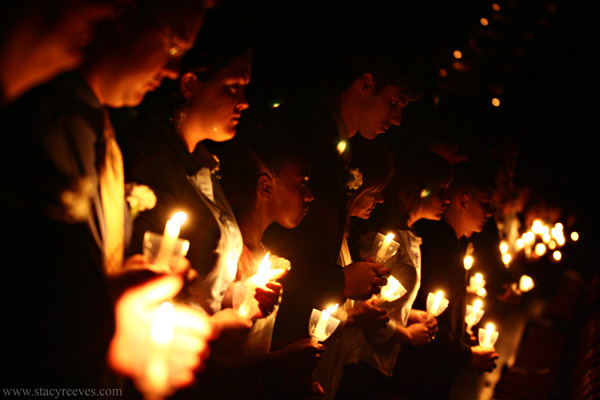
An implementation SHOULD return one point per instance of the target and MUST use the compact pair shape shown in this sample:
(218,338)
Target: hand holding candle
(436,303)
(385,247)
(474,314)
(393,290)
(259,286)
(322,324)
(488,336)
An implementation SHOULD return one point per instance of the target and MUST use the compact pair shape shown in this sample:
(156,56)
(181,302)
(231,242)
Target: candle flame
(476,306)
(503,247)
(468,262)
(179,218)
(331,309)
(526,283)
(388,238)
(489,327)
(341,147)
(574,236)
(506,259)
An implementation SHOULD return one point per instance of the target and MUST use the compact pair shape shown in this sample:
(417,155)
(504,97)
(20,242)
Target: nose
(171,69)
(396,118)
(242,102)
(308,195)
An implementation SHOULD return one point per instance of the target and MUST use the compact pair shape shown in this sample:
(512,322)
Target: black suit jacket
(315,279)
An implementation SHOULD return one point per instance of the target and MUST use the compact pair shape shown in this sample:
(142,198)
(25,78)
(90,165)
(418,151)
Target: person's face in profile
(291,194)
(46,43)
(215,106)
(478,211)
(437,204)
(153,55)
(380,110)
(366,202)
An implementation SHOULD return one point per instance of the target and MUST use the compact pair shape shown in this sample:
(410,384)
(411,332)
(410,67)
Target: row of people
(87,294)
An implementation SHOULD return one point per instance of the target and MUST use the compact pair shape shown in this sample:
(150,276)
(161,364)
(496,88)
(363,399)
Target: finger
(379,281)
(160,289)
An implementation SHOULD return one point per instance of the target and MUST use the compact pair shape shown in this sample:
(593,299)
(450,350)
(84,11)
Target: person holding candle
(359,318)
(417,190)
(443,250)
(74,279)
(368,92)
(164,149)
(267,181)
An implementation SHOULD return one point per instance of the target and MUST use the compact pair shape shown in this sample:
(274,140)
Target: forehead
(237,69)
(294,168)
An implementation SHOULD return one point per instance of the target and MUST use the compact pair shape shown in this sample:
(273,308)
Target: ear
(463,200)
(366,83)
(187,85)
(264,187)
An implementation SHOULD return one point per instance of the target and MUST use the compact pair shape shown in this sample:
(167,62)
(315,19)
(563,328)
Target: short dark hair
(415,170)
(246,157)
(470,178)
(390,64)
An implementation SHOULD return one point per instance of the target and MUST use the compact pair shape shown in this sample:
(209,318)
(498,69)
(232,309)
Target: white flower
(140,198)
(355,179)
(76,206)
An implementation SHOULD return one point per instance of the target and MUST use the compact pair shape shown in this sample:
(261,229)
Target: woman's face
(434,209)
(366,202)
(216,106)
(290,195)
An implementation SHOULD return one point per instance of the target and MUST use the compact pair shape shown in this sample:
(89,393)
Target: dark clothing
(60,313)
(154,155)
(315,280)
(486,246)
(427,372)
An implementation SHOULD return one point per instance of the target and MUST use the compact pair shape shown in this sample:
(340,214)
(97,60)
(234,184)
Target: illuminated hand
(188,333)
(484,358)
(363,279)
(232,329)
(367,316)
(268,297)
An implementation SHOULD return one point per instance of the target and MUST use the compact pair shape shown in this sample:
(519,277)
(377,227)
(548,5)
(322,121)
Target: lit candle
(263,275)
(169,240)
(526,283)
(436,302)
(468,262)
(474,314)
(320,330)
(393,290)
(488,336)
(382,252)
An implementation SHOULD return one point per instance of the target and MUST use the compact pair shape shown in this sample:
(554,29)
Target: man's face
(477,212)
(153,54)
(381,110)
(291,194)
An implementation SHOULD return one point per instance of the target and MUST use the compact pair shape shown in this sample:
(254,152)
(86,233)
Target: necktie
(112,191)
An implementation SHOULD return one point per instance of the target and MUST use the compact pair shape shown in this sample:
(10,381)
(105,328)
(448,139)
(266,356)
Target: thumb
(157,290)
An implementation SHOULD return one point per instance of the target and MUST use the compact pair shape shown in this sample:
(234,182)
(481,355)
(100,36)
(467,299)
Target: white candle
(436,302)
(382,252)
(489,336)
(319,331)
(169,240)
(259,279)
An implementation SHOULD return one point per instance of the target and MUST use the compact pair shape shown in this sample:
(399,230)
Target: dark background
(536,57)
